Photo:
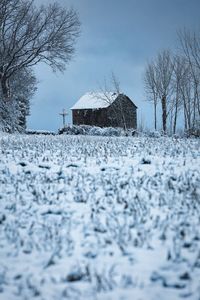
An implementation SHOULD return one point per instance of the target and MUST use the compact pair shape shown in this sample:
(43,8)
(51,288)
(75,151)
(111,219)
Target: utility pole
(63,114)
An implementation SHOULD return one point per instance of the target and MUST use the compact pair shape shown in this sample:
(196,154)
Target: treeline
(30,35)
(172,83)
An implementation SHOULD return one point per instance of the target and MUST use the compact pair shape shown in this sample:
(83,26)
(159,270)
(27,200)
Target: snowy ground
(99,218)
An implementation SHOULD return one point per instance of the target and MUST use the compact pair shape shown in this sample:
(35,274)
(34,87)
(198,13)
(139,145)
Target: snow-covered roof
(95,100)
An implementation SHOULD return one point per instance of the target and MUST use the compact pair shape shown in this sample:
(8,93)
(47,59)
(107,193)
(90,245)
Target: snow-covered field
(99,218)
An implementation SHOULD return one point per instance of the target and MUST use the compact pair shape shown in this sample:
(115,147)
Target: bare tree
(180,74)
(190,46)
(121,115)
(118,107)
(189,101)
(158,84)
(150,82)
(164,70)
(29,35)
(22,86)
(174,80)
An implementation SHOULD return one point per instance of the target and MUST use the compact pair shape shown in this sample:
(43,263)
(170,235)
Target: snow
(96,100)
(86,217)
(45,132)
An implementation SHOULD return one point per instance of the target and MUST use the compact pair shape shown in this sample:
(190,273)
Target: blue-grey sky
(119,36)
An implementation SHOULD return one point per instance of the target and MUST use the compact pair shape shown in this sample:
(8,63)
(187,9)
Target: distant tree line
(30,35)
(172,81)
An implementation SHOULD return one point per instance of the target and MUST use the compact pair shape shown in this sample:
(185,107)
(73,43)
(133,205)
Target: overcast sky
(116,35)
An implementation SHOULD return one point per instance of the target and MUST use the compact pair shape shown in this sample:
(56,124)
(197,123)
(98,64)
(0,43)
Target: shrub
(96,131)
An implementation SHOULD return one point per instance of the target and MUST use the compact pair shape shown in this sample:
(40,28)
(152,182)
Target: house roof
(95,100)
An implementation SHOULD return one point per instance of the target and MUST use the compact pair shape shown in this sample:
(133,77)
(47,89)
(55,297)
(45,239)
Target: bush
(96,131)
(194,132)
(155,134)
(43,132)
